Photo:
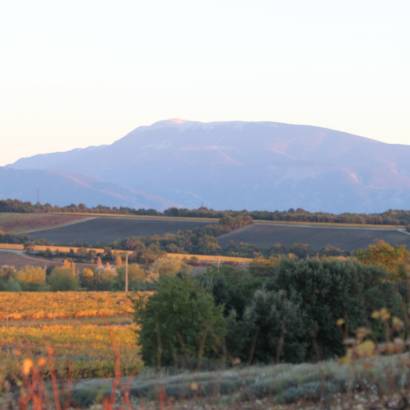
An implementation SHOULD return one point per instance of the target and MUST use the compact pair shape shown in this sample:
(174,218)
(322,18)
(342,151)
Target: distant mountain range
(223,165)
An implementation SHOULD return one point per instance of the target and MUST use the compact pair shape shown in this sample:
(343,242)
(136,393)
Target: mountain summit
(242,165)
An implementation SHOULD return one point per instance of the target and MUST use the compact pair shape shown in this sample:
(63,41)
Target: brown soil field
(348,238)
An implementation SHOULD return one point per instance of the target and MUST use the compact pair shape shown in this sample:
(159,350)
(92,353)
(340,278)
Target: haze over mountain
(60,189)
(227,165)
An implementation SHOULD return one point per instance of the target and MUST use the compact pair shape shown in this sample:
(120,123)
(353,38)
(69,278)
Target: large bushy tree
(180,325)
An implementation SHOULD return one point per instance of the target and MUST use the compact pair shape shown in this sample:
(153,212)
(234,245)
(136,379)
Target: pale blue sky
(85,72)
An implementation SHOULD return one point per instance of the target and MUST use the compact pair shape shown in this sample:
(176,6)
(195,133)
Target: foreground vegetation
(278,331)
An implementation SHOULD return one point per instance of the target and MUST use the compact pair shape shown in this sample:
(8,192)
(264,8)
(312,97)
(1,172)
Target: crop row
(65,305)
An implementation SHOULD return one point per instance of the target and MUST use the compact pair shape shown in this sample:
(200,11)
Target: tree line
(389,217)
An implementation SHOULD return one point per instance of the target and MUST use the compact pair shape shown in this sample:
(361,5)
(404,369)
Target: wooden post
(126,272)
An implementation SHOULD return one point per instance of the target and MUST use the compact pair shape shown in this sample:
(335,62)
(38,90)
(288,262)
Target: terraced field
(102,231)
(265,235)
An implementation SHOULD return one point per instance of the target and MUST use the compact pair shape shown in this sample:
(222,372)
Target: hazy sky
(85,72)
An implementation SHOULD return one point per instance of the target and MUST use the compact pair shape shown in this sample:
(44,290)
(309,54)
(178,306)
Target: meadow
(317,236)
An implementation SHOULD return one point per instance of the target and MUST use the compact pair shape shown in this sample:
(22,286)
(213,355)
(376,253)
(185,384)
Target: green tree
(136,277)
(63,279)
(276,326)
(332,290)
(180,325)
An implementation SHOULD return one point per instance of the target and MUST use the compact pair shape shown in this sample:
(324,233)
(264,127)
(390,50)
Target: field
(212,259)
(348,238)
(23,223)
(81,328)
(20,260)
(102,231)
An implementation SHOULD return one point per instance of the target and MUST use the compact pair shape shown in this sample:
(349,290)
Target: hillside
(64,188)
(237,165)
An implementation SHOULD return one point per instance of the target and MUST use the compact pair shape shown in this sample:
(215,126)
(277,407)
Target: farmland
(105,230)
(22,223)
(80,327)
(265,235)
(20,260)
(101,230)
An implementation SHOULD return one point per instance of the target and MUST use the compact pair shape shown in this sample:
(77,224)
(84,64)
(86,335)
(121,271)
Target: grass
(281,384)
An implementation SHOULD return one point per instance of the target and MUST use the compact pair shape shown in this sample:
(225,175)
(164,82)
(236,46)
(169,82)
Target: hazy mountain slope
(238,165)
(30,185)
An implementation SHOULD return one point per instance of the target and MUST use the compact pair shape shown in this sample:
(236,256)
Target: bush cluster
(286,312)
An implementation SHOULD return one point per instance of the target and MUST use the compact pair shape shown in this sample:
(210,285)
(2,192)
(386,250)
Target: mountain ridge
(240,164)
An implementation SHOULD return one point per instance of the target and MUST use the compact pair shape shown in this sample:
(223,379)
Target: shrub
(168,266)
(332,290)
(180,324)
(136,277)
(31,278)
(62,279)
(395,260)
(102,279)
(9,285)
(87,278)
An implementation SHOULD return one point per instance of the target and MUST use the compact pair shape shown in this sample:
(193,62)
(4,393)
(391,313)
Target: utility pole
(126,273)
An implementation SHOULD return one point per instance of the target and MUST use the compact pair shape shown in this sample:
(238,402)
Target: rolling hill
(238,165)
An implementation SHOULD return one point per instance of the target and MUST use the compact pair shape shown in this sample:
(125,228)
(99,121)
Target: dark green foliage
(277,327)
(288,312)
(329,291)
(231,287)
(180,324)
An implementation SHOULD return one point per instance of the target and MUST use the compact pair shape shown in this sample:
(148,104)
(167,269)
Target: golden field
(84,329)
(15,306)
(210,258)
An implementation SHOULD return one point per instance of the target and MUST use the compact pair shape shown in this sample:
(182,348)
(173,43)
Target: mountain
(65,189)
(252,165)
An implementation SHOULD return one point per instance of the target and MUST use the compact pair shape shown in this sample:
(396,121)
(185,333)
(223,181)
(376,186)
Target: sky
(85,72)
